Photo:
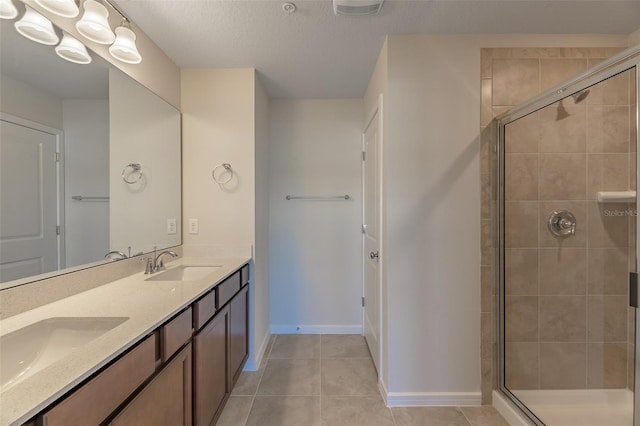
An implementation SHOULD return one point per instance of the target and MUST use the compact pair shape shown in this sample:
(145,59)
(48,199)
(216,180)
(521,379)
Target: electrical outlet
(193,226)
(172,226)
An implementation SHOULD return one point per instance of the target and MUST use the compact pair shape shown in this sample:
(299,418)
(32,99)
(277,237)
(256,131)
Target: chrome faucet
(117,252)
(158,264)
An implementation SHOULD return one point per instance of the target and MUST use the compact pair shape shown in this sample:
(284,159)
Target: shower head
(580,96)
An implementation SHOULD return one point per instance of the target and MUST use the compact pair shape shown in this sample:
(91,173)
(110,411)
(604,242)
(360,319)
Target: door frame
(377,109)
(60,204)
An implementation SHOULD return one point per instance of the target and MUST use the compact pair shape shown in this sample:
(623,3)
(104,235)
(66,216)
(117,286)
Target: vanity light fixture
(7,9)
(36,27)
(64,8)
(73,50)
(94,24)
(124,48)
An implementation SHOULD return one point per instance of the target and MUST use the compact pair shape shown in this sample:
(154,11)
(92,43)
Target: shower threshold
(590,407)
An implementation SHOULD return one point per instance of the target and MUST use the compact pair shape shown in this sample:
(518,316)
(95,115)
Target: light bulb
(94,24)
(64,8)
(7,9)
(124,48)
(72,50)
(36,27)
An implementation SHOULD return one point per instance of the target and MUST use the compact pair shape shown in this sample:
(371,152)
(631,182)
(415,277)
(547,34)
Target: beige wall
(86,172)
(145,130)
(634,38)
(156,71)
(218,108)
(316,246)
(432,164)
(224,121)
(25,101)
(260,315)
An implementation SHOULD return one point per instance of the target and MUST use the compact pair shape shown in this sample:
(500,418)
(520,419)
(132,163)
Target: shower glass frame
(619,63)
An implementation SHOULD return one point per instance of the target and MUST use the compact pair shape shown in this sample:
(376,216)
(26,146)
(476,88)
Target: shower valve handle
(562,223)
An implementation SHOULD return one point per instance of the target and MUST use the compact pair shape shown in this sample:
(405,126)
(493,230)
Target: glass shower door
(568,245)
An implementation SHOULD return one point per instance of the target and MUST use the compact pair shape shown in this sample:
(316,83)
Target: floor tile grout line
(246,418)
(393,417)
(320,395)
(255,393)
(465,416)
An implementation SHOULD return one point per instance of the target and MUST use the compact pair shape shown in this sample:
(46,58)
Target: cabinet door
(210,373)
(164,401)
(239,334)
(96,400)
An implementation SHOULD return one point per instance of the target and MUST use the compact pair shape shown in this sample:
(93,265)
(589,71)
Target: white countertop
(147,304)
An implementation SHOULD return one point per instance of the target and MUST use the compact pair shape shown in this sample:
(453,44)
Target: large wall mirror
(89,163)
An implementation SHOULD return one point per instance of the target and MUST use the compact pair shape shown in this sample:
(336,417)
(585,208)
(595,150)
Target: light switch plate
(193,226)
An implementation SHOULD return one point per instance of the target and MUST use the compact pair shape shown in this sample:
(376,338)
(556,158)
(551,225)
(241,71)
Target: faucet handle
(159,262)
(149,267)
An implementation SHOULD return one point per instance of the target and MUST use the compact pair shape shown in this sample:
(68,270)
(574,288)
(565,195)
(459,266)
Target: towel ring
(227,169)
(135,168)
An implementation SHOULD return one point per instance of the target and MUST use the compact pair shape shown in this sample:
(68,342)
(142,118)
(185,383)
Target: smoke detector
(357,7)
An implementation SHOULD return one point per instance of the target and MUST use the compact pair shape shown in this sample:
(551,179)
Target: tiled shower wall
(566,300)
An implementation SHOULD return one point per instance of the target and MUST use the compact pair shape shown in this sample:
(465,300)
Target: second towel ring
(135,168)
(227,169)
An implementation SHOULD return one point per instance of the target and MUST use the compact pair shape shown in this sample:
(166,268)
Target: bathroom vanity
(164,349)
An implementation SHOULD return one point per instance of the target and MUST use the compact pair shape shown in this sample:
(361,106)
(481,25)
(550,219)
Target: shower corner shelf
(616,196)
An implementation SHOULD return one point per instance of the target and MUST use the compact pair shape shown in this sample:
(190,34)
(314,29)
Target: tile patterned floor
(329,380)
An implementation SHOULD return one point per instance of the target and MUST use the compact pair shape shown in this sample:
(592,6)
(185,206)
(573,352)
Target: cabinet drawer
(175,333)
(244,275)
(96,400)
(204,309)
(227,289)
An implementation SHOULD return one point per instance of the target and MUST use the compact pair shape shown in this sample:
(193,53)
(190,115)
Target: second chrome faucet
(156,263)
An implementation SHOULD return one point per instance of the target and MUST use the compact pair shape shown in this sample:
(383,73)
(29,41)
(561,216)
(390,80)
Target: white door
(28,201)
(371,230)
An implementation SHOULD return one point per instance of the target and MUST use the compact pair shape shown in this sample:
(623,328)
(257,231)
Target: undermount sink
(185,273)
(32,348)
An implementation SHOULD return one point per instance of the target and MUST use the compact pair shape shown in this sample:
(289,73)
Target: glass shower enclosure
(567,238)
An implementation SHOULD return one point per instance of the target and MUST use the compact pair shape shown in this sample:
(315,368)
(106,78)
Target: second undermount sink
(185,273)
(30,349)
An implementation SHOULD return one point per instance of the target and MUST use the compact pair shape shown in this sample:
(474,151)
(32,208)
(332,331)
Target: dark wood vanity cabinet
(238,333)
(166,400)
(93,403)
(221,347)
(210,350)
(181,374)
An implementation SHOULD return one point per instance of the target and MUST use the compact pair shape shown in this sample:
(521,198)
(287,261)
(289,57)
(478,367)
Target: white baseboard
(510,413)
(430,399)
(316,329)
(253,363)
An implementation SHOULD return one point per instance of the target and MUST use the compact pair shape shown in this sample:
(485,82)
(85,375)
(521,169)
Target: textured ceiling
(315,54)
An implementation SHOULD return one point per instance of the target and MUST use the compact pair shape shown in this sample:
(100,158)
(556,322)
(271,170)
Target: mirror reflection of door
(28,201)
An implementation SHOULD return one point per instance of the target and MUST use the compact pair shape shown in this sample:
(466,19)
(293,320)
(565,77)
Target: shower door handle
(633,289)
